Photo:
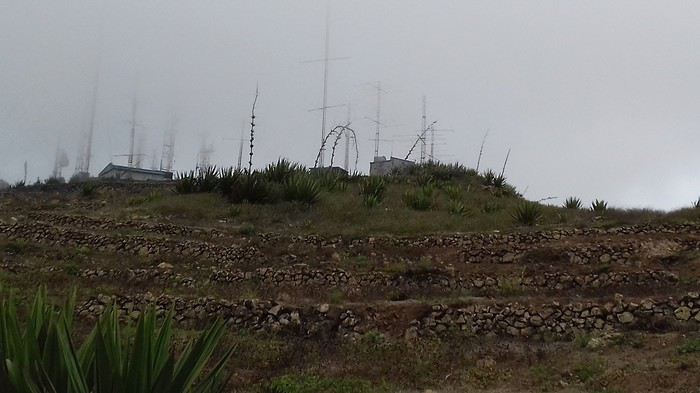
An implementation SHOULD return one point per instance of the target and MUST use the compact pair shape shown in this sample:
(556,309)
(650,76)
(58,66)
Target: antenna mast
(424,130)
(133,133)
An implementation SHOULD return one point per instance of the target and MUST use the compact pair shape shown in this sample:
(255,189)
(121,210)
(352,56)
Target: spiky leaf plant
(499,181)
(253,188)
(373,187)
(488,178)
(228,178)
(573,203)
(301,188)
(208,179)
(696,204)
(421,199)
(282,170)
(457,208)
(454,193)
(527,213)
(40,355)
(599,207)
(187,183)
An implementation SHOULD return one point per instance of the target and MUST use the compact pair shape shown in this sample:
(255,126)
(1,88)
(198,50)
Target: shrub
(573,203)
(492,207)
(599,207)
(527,213)
(18,185)
(331,181)
(301,188)
(454,193)
(40,355)
(441,172)
(421,199)
(690,346)
(208,179)
(457,208)
(696,204)
(372,190)
(87,190)
(252,188)
(186,183)
(499,181)
(228,178)
(282,170)
(488,178)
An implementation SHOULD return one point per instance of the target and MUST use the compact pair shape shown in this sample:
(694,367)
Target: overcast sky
(597,99)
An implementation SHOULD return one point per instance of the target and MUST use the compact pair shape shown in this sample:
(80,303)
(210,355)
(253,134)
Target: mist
(594,99)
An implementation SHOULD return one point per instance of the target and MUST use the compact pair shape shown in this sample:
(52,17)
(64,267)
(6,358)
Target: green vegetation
(88,189)
(420,199)
(573,203)
(301,188)
(696,204)
(311,384)
(527,213)
(372,190)
(691,345)
(41,356)
(599,207)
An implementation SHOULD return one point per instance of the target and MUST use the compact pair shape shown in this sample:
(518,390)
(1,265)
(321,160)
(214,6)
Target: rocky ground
(588,309)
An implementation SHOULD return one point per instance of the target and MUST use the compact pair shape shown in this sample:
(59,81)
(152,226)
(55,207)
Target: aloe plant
(573,203)
(527,213)
(599,206)
(41,356)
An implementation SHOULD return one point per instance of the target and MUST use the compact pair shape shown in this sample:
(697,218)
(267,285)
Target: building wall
(128,175)
(384,167)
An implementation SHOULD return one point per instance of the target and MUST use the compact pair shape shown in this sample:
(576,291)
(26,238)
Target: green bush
(421,199)
(491,207)
(454,193)
(228,178)
(690,346)
(253,188)
(372,190)
(488,178)
(696,204)
(457,208)
(282,170)
(441,172)
(88,190)
(599,207)
(331,181)
(301,188)
(208,179)
(527,213)
(41,356)
(186,183)
(573,203)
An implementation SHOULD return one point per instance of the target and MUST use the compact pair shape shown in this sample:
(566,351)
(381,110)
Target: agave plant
(457,208)
(373,188)
(499,181)
(527,213)
(253,188)
(208,179)
(282,170)
(301,188)
(573,203)
(187,183)
(228,178)
(489,177)
(599,207)
(696,204)
(454,193)
(421,199)
(41,356)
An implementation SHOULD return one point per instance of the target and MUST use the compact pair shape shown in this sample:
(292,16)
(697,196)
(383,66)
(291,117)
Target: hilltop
(440,278)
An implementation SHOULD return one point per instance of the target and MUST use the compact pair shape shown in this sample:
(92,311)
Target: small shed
(120,172)
(381,166)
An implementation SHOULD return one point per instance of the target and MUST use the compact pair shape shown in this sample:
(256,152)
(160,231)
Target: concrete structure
(119,172)
(336,170)
(383,167)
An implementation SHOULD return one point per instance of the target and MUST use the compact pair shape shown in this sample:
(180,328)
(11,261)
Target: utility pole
(326,60)
(133,133)
(378,120)
(424,130)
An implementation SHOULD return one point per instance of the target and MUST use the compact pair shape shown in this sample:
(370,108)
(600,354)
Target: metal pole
(133,133)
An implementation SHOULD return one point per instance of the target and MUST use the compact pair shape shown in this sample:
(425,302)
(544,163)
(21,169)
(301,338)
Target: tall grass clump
(228,178)
(301,188)
(573,203)
(372,190)
(421,199)
(527,213)
(599,207)
(88,189)
(208,179)
(332,181)
(40,355)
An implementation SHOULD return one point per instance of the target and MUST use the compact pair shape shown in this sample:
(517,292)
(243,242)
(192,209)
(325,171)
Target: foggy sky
(596,99)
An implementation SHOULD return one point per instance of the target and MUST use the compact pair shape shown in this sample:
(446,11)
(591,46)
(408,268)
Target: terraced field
(611,309)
